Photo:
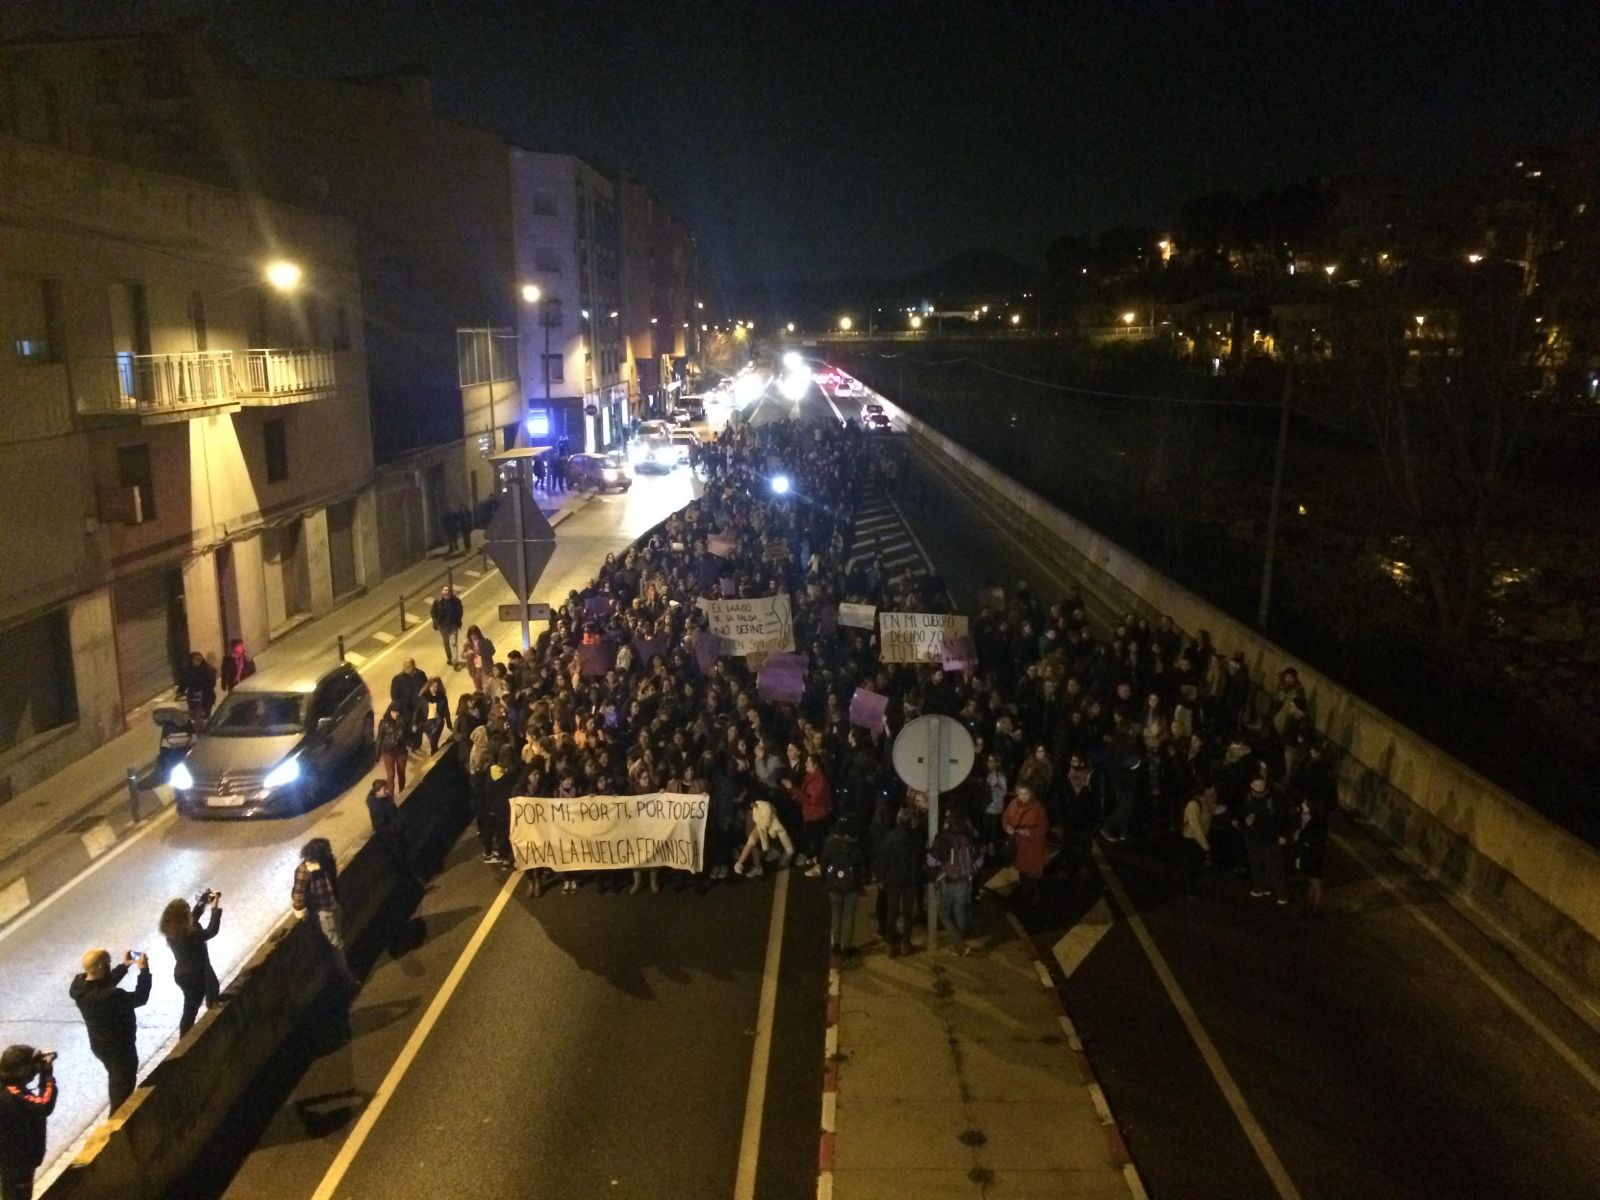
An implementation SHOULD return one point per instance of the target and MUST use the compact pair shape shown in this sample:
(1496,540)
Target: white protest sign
(751,626)
(609,833)
(858,616)
(917,637)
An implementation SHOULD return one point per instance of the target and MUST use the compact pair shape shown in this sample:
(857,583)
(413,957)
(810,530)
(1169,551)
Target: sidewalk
(960,1077)
(51,831)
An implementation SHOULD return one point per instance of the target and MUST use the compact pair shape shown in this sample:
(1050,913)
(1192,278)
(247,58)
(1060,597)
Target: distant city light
(792,359)
(790,327)
(845,324)
(1474,259)
(1330,269)
(1128,318)
(916,322)
(780,485)
(1016,318)
(284,275)
(531,293)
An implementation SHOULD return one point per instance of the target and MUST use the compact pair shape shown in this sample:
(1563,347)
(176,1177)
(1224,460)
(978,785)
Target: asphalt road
(116,901)
(597,1044)
(1383,1048)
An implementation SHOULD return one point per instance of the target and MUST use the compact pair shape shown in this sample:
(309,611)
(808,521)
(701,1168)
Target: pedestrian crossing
(882,534)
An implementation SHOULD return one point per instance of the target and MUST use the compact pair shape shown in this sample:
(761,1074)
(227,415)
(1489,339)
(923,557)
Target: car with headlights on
(275,745)
(600,471)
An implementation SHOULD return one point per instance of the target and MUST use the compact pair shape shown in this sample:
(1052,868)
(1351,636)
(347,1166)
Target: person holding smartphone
(109,1013)
(24,1110)
(187,938)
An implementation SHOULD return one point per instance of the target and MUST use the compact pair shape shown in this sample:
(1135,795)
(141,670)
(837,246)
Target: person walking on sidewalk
(433,712)
(844,874)
(392,738)
(187,938)
(405,693)
(24,1112)
(108,1013)
(899,871)
(1028,826)
(237,666)
(955,859)
(447,620)
(479,653)
(315,894)
(197,687)
(464,524)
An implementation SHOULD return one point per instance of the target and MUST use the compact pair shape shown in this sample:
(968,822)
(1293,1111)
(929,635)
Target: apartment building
(662,305)
(186,452)
(429,199)
(564,216)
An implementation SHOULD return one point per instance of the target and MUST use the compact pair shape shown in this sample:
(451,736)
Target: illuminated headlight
(282,775)
(611,475)
(180,778)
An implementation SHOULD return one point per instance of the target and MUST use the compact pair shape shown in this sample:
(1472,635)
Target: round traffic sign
(933,753)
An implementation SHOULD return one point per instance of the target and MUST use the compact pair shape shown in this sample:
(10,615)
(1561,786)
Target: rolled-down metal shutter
(393,547)
(150,636)
(342,546)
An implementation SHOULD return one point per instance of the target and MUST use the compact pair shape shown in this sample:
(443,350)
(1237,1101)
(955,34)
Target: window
(38,690)
(555,368)
(35,309)
(485,355)
(546,260)
(275,438)
(544,203)
(133,471)
(197,319)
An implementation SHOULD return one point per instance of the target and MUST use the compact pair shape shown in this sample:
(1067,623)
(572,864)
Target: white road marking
(912,533)
(13,898)
(383,635)
(1256,1135)
(755,1097)
(99,838)
(1547,1035)
(359,660)
(397,1072)
(1083,937)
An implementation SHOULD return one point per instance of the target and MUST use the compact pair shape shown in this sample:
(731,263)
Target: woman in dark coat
(187,938)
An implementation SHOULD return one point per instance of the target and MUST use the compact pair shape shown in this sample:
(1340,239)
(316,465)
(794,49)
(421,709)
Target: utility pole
(1263,607)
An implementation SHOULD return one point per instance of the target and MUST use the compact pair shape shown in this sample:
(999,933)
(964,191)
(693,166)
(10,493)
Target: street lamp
(845,324)
(1128,318)
(283,275)
(1330,269)
(916,322)
(1016,318)
(780,485)
(790,327)
(531,293)
(1474,259)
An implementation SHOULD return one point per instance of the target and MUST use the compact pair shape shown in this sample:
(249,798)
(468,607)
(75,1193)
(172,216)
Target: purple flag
(780,683)
(730,589)
(596,658)
(597,606)
(868,709)
(707,648)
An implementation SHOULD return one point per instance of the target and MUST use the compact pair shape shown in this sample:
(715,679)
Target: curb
(830,1082)
(1115,1143)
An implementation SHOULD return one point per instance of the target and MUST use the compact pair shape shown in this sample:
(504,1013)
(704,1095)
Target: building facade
(570,336)
(187,453)
(662,308)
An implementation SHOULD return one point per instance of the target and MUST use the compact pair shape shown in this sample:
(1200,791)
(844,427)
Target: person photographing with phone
(24,1110)
(187,938)
(108,1013)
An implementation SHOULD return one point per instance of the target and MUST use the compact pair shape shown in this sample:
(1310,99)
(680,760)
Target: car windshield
(615,461)
(258,714)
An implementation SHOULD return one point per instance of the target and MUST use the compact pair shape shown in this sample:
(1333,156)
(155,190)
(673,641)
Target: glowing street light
(916,322)
(845,324)
(531,293)
(1474,259)
(1128,317)
(780,485)
(790,327)
(284,275)
(1420,319)
(1330,269)
(1016,318)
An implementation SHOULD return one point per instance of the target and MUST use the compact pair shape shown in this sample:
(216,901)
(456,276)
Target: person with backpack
(844,873)
(899,870)
(955,858)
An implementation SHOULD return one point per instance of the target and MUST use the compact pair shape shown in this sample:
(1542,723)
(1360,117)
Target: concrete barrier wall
(153,1140)
(1538,883)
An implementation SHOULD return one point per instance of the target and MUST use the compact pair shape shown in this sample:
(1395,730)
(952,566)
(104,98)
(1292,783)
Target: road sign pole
(522,559)
(935,758)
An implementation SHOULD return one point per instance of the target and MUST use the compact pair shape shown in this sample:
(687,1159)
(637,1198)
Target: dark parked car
(273,745)
(600,471)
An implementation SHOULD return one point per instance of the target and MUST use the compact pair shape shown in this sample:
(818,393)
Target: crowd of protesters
(1142,733)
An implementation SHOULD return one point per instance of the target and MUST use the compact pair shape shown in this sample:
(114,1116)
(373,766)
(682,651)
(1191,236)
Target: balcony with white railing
(175,386)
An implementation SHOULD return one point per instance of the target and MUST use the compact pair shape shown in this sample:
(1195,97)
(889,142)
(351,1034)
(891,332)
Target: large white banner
(751,626)
(917,637)
(609,833)
(857,616)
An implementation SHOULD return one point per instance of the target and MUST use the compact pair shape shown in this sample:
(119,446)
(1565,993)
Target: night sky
(813,141)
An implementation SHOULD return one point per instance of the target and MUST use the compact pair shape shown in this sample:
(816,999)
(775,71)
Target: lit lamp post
(845,324)
(1128,319)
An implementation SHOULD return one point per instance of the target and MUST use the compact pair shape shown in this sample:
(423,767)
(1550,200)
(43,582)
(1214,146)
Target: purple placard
(782,683)
(786,660)
(645,649)
(868,709)
(597,606)
(730,589)
(707,648)
(596,658)
(959,653)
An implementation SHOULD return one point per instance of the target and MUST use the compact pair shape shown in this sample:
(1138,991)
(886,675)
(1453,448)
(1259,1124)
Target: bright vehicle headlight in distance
(283,774)
(792,360)
(180,778)
(795,384)
(747,387)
